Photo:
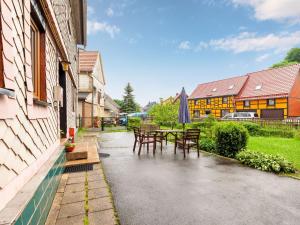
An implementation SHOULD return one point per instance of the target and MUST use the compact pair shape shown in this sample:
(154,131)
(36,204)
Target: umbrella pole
(183,126)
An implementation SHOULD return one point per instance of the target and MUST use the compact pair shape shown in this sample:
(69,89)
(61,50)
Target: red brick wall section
(294,99)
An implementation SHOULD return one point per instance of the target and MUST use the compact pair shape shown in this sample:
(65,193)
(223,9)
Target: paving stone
(98,193)
(95,177)
(105,217)
(76,180)
(97,184)
(54,211)
(73,209)
(71,197)
(74,220)
(77,174)
(74,187)
(100,204)
(62,183)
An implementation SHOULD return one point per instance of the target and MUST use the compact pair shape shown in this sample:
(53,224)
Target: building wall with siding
(26,143)
(261,104)
(215,107)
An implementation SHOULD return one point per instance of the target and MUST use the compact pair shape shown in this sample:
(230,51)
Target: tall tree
(129,104)
(292,57)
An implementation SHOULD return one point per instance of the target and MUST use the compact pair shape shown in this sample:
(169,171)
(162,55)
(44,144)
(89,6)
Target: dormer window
(230,87)
(258,87)
(214,90)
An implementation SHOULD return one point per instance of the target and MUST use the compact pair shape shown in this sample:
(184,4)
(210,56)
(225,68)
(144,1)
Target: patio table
(165,133)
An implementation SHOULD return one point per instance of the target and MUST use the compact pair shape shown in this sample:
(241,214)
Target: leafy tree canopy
(292,57)
(165,114)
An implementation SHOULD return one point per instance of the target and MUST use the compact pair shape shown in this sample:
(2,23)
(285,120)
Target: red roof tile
(276,82)
(87,60)
(226,87)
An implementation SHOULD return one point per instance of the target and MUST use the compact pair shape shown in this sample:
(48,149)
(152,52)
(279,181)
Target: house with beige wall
(91,89)
(38,100)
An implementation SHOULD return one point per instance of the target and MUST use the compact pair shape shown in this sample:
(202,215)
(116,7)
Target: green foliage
(133,122)
(253,128)
(283,63)
(265,162)
(119,103)
(129,105)
(165,114)
(230,138)
(293,55)
(271,132)
(207,144)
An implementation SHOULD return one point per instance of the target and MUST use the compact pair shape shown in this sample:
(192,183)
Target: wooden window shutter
(43,78)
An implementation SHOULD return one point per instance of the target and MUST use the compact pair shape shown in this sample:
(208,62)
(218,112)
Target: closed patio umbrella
(183,115)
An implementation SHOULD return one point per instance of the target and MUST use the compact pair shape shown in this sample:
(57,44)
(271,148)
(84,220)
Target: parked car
(240,116)
(123,119)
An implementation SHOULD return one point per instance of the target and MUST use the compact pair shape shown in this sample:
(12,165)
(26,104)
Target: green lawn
(287,147)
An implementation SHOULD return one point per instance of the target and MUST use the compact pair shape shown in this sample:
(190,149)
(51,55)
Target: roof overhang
(79,8)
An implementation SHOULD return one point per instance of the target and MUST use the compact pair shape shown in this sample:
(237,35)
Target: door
(276,114)
(63,109)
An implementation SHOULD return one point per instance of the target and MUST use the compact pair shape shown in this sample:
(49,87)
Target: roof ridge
(267,69)
(223,79)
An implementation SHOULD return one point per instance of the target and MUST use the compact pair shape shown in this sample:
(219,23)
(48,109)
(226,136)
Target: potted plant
(69,147)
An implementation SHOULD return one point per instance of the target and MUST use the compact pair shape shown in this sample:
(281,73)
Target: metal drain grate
(104,155)
(79,168)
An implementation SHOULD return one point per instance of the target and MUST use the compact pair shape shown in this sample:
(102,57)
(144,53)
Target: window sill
(8,92)
(41,102)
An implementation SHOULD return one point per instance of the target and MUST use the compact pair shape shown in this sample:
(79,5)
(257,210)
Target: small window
(224,100)
(196,102)
(214,90)
(230,87)
(38,70)
(99,97)
(207,112)
(246,103)
(208,101)
(196,113)
(271,102)
(258,87)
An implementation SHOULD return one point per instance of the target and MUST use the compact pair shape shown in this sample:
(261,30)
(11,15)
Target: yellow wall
(216,106)
(258,105)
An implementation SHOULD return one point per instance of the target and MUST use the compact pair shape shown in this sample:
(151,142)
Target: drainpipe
(92,102)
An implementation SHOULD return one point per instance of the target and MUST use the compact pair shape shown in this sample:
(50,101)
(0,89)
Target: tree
(129,105)
(119,102)
(292,57)
(165,114)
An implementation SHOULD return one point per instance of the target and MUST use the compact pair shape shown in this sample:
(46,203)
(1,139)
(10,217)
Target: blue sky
(159,46)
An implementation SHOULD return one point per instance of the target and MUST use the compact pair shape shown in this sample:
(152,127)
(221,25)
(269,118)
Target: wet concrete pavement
(168,190)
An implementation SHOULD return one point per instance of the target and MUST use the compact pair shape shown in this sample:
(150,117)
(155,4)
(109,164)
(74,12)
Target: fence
(97,122)
(281,124)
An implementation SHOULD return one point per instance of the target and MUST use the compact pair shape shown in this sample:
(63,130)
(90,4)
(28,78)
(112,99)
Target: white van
(240,115)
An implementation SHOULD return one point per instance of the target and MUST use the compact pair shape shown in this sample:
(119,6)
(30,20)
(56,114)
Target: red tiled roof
(226,87)
(276,82)
(87,60)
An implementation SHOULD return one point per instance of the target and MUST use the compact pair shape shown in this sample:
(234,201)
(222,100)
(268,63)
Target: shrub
(133,122)
(276,133)
(230,138)
(265,162)
(207,144)
(252,128)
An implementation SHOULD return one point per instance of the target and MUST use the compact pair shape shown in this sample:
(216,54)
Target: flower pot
(70,149)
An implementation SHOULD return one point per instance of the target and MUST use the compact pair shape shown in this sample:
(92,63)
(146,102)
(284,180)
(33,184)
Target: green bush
(207,144)
(269,132)
(253,128)
(265,162)
(133,122)
(231,138)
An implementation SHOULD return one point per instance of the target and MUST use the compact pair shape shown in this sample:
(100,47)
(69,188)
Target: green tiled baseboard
(37,209)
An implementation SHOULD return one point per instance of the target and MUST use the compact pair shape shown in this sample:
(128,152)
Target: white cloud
(247,42)
(202,45)
(262,57)
(184,45)
(278,10)
(109,12)
(95,26)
